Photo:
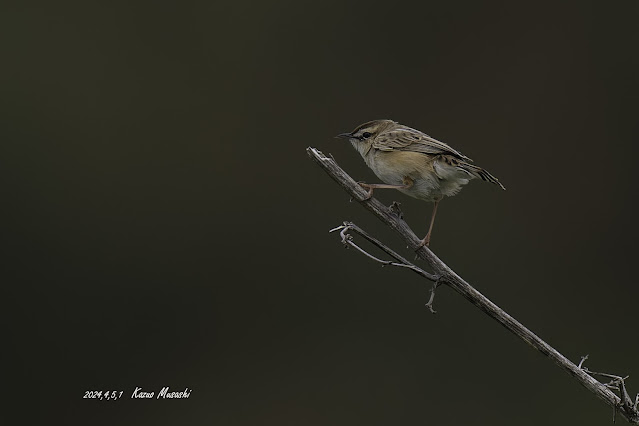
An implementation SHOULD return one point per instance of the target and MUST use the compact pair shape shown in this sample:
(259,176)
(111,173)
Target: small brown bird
(414,163)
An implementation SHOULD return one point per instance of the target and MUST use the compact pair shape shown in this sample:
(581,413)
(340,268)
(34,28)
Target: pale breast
(432,179)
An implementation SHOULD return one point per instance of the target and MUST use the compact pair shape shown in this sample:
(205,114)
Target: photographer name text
(164,393)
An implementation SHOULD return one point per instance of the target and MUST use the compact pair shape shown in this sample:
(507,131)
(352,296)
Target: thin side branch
(391,218)
(347,240)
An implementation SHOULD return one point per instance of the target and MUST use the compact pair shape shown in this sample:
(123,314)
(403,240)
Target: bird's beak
(344,136)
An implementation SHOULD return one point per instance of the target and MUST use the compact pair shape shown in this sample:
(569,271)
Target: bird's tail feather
(480,173)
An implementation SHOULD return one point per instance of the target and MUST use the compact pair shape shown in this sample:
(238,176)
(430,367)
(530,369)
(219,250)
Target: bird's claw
(424,243)
(367,187)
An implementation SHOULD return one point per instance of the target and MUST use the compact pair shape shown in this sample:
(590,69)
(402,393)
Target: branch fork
(617,383)
(401,262)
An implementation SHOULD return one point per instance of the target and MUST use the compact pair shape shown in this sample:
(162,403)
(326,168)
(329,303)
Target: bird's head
(365,134)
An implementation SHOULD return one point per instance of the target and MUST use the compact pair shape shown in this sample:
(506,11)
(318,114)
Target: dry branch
(444,275)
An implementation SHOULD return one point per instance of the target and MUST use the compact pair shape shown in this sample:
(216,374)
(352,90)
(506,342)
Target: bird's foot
(424,243)
(369,188)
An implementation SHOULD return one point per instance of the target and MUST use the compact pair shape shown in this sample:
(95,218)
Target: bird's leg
(426,240)
(408,182)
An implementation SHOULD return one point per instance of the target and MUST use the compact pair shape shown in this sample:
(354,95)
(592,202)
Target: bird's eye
(366,135)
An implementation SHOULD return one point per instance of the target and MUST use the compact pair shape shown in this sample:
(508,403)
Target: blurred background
(163,225)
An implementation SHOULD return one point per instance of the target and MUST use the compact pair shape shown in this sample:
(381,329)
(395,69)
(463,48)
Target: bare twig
(429,304)
(347,240)
(617,383)
(447,276)
(583,358)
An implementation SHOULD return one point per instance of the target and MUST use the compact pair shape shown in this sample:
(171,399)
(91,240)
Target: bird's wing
(407,139)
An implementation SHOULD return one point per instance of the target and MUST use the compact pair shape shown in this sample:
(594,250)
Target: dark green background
(164,226)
